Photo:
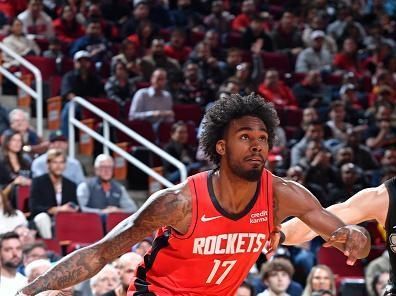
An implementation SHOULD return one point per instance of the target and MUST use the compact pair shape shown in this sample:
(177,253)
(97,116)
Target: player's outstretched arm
(296,200)
(168,207)
(367,204)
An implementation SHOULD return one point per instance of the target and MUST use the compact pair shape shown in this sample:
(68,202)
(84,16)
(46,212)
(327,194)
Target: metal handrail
(36,94)
(107,144)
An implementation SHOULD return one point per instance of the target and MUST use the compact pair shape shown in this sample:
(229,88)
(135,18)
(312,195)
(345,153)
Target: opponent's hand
(355,241)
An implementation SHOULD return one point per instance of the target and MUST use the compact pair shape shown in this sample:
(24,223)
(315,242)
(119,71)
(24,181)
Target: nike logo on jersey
(207,219)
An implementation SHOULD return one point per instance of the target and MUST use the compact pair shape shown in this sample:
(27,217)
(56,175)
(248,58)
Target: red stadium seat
(334,259)
(74,229)
(109,106)
(293,116)
(23,193)
(142,127)
(188,112)
(113,219)
(47,66)
(278,61)
(53,245)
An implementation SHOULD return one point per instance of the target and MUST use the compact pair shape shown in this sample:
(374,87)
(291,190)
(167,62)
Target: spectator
(81,81)
(311,92)
(109,30)
(337,123)
(245,289)
(362,154)
(54,51)
(275,91)
(36,22)
(66,27)
(19,122)
(376,267)
(347,60)
(212,38)
(344,17)
(286,36)
(353,107)
(219,19)
(320,278)
(52,193)
(127,265)
(318,23)
(153,103)
(14,165)
(315,57)
(129,56)
(185,16)
(176,48)
(19,43)
(351,182)
(381,134)
(102,194)
(233,59)
(104,281)
(119,87)
(179,148)
(26,235)
(9,216)
(379,283)
(73,170)
(146,32)
(93,42)
(36,268)
(255,31)
(193,90)
(32,252)
(277,275)
(242,20)
(140,13)
(158,59)
(314,132)
(10,258)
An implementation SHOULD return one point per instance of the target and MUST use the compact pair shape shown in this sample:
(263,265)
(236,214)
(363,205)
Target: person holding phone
(52,193)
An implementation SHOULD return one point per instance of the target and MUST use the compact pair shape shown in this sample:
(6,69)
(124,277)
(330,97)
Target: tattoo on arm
(166,208)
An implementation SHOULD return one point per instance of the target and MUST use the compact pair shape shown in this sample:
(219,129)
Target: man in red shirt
(213,226)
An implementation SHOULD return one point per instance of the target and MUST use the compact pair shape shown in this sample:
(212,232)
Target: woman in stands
(14,164)
(320,278)
(10,218)
(19,44)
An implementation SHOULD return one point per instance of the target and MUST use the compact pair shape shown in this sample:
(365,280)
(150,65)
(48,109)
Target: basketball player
(213,226)
(378,203)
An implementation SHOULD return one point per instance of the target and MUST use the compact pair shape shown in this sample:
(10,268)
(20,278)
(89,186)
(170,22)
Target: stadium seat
(142,127)
(47,66)
(187,112)
(337,262)
(277,60)
(53,245)
(77,229)
(109,106)
(113,219)
(23,193)
(293,116)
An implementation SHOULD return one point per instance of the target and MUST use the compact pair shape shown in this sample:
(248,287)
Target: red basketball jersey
(216,253)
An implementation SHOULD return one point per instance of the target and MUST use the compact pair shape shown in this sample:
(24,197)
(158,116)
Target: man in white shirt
(10,258)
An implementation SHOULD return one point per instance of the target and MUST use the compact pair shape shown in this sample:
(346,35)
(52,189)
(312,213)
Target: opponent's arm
(296,200)
(168,207)
(367,204)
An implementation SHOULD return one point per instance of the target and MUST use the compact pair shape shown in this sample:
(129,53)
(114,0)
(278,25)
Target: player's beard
(251,175)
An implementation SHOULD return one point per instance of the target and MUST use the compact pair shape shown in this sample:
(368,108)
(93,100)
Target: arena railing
(108,145)
(37,93)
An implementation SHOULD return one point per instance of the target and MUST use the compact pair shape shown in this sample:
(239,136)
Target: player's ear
(220,147)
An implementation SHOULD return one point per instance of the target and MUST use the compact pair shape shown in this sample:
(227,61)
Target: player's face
(245,147)
(321,280)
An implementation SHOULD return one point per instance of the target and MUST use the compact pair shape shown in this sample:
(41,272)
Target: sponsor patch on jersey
(259,217)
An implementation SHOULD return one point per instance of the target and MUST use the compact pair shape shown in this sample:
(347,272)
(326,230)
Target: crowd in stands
(329,68)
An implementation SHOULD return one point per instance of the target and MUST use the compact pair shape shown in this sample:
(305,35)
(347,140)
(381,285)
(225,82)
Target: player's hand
(274,239)
(354,240)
